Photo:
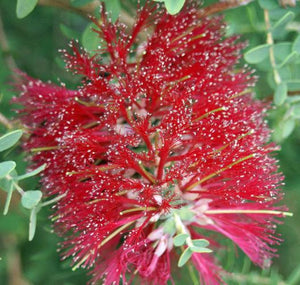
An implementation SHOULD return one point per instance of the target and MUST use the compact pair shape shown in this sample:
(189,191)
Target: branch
(222,6)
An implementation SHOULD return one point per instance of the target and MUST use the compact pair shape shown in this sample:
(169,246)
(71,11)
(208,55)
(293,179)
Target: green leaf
(284,20)
(31,198)
(200,242)
(293,85)
(8,197)
(32,173)
(268,4)
(8,140)
(68,32)
(200,249)
(282,50)
(174,6)
(184,257)
(289,59)
(287,127)
(180,239)
(280,94)
(79,3)
(296,111)
(185,214)
(257,54)
(113,7)
(90,39)
(294,278)
(25,7)
(32,223)
(296,44)
(6,167)
(169,226)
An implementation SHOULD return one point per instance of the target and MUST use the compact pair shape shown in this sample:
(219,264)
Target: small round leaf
(8,140)
(280,94)
(31,198)
(6,167)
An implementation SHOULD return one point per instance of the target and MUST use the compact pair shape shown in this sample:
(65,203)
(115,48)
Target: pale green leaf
(184,257)
(32,223)
(200,249)
(174,6)
(25,7)
(180,239)
(257,54)
(284,20)
(8,197)
(268,4)
(6,167)
(200,242)
(287,127)
(8,140)
(79,3)
(31,198)
(280,94)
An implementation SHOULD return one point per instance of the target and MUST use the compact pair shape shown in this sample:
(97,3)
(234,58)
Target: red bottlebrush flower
(161,145)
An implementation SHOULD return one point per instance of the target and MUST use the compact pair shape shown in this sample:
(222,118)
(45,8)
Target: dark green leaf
(68,32)
(32,173)
(280,94)
(6,167)
(184,257)
(31,198)
(180,239)
(257,54)
(8,140)
(25,7)
(174,6)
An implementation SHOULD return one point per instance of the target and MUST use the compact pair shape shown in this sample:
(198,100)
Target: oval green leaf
(8,197)
(184,257)
(32,223)
(280,94)
(6,167)
(200,249)
(296,44)
(284,20)
(8,140)
(174,6)
(257,54)
(25,7)
(287,127)
(31,198)
(180,239)
(200,242)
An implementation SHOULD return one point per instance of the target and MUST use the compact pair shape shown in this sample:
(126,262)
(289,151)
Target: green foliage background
(32,43)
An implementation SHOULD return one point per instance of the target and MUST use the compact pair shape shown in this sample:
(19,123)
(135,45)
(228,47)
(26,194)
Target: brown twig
(222,6)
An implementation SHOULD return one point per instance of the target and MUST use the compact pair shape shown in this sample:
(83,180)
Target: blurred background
(31,44)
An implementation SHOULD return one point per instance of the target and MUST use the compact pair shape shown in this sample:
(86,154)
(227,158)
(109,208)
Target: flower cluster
(158,152)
